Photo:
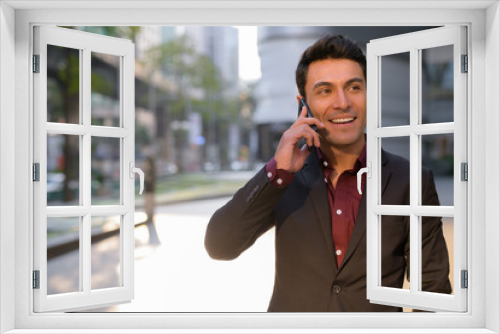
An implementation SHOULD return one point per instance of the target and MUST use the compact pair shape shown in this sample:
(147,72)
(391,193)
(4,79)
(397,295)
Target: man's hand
(288,155)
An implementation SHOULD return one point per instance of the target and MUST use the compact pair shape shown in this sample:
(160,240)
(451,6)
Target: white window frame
(414,43)
(85,43)
(16,22)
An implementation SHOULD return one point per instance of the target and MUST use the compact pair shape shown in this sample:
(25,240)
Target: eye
(355,88)
(323,91)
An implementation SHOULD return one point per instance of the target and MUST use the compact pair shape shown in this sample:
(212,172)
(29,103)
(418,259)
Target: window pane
(63,243)
(437,257)
(105,81)
(437,85)
(395,234)
(63,85)
(395,89)
(399,146)
(63,170)
(105,171)
(106,252)
(437,155)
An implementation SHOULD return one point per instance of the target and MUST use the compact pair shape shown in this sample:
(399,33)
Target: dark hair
(328,47)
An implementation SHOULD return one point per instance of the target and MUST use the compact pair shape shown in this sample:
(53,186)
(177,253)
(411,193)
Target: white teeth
(342,120)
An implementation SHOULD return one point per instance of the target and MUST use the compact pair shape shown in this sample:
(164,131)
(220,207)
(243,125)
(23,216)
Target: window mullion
(86,241)
(373,183)
(40,155)
(415,240)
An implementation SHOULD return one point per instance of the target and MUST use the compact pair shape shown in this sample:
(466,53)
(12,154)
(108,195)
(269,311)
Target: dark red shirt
(344,199)
(344,202)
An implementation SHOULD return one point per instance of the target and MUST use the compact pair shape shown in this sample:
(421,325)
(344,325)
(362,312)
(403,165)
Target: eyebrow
(329,84)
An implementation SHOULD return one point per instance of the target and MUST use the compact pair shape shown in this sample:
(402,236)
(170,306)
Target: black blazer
(307,278)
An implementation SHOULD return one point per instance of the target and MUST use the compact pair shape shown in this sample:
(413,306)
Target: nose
(341,100)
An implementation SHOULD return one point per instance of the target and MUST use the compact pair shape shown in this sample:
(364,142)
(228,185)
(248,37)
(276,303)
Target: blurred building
(147,38)
(168,33)
(280,49)
(223,132)
(220,44)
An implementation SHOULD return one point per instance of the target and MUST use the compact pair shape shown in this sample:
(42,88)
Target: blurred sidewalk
(177,275)
(199,193)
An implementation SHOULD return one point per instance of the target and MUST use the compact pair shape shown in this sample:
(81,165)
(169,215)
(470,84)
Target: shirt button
(336,289)
(269,175)
(338,252)
(326,180)
(325,163)
(279,181)
(339,212)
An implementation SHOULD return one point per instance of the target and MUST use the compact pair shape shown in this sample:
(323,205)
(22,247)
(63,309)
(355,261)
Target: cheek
(318,108)
(360,101)
(360,105)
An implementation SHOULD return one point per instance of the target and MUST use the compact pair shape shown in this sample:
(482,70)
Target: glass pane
(63,85)
(105,252)
(399,146)
(395,89)
(437,85)
(105,171)
(63,262)
(437,254)
(105,82)
(437,155)
(395,242)
(63,170)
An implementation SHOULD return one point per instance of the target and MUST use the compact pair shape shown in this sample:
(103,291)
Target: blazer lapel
(360,226)
(314,177)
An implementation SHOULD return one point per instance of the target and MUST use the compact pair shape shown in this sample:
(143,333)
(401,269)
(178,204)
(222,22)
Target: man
(311,197)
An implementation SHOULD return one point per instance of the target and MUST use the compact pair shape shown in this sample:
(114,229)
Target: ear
(298,98)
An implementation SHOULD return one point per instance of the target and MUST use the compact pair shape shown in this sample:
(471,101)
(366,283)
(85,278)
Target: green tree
(196,84)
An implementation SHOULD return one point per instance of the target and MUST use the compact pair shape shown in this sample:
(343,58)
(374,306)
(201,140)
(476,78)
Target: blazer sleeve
(435,258)
(250,213)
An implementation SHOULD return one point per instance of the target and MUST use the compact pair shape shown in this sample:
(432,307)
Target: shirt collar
(360,161)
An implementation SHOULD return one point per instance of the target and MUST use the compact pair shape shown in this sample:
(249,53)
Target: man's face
(336,94)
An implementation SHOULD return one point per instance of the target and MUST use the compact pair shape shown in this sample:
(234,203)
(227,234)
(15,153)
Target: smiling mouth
(343,120)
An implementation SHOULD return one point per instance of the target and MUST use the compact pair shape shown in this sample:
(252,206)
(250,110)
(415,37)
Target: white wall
(7,158)
(492,162)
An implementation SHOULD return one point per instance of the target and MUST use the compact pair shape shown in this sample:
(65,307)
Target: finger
(302,116)
(317,140)
(303,113)
(309,121)
(314,139)
(313,121)
(306,132)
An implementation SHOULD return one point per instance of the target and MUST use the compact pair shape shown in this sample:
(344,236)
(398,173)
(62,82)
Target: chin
(343,139)
(344,142)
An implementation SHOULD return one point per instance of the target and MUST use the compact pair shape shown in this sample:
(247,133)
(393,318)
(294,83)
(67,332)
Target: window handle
(139,171)
(366,170)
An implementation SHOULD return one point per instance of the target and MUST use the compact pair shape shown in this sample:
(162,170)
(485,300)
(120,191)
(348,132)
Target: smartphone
(303,103)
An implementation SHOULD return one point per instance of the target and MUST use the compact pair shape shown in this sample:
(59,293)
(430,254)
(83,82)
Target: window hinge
(465,64)
(464,171)
(465,279)
(36,279)
(36,172)
(36,63)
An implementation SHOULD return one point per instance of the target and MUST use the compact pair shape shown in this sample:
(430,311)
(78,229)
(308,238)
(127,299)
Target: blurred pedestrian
(149,198)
